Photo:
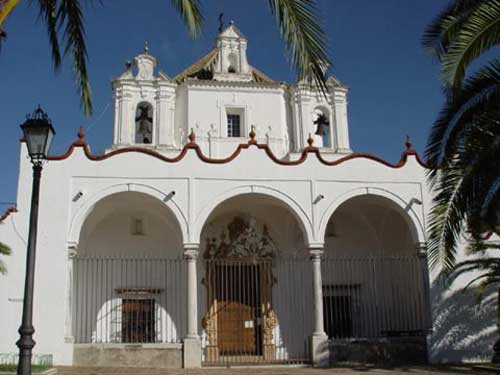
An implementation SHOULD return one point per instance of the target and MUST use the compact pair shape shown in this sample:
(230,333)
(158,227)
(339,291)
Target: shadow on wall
(463,330)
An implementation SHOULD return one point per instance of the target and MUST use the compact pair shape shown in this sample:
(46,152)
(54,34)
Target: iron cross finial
(221,22)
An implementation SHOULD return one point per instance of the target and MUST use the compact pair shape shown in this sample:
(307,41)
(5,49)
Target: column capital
(316,250)
(191,250)
(421,248)
(72,249)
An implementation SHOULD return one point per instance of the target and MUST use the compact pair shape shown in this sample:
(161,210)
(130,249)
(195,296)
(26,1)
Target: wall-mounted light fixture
(318,198)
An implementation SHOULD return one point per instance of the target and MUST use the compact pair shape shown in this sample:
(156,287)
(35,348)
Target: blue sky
(374,46)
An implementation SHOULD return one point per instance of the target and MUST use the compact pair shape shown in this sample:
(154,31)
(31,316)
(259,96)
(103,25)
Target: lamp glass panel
(36,137)
(48,143)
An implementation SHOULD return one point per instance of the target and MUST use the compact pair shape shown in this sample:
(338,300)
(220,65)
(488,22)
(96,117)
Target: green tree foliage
(464,143)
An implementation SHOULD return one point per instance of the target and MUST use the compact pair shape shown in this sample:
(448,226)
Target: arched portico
(128,279)
(374,273)
(255,265)
(406,209)
(87,205)
(273,194)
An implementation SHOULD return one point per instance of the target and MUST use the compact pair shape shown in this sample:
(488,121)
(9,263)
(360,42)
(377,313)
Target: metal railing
(124,300)
(250,311)
(257,311)
(375,297)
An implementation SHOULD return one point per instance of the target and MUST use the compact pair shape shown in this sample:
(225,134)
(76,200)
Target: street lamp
(38,133)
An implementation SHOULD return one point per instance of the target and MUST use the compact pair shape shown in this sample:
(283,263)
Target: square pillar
(68,320)
(192,341)
(320,350)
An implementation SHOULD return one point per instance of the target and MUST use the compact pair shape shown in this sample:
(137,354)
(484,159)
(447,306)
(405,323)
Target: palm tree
(297,20)
(464,143)
(4,250)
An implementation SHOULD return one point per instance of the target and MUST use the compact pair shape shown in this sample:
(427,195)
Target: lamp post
(38,133)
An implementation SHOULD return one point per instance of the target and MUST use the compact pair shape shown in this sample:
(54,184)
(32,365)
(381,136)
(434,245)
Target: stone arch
(291,204)
(401,205)
(87,206)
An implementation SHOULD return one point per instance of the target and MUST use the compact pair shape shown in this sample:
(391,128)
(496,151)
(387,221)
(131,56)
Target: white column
(192,342)
(192,293)
(68,320)
(319,325)
(319,340)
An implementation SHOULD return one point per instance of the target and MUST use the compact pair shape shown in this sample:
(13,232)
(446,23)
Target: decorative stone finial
(191,136)
(231,22)
(221,22)
(252,134)
(146,47)
(81,133)
(408,143)
(310,140)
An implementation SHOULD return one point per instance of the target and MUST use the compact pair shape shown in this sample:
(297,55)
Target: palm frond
(444,26)
(479,33)
(305,40)
(48,12)
(190,12)
(446,219)
(492,198)
(4,250)
(480,91)
(7,8)
(70,14)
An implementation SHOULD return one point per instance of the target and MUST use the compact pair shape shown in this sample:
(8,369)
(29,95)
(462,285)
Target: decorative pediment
(232,32)
(145,66)
(241,239)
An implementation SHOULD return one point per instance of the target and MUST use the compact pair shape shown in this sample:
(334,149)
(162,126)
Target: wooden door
(238,309)
(236,324)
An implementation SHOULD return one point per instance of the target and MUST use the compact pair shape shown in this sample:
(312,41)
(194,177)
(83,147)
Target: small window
(138,321)
(233,125)
(339,310)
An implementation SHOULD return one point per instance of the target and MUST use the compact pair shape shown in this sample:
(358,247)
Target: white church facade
(228,223)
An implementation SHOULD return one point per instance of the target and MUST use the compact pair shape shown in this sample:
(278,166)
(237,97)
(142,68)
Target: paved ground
(268,371)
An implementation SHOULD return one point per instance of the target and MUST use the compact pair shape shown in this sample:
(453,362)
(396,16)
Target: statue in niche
(144,124)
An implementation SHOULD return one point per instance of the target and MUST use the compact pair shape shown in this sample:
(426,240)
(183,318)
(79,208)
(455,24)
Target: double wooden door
(237,288)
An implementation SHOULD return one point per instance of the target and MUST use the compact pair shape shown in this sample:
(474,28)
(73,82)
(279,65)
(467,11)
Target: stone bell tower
(144,105)
(232,64)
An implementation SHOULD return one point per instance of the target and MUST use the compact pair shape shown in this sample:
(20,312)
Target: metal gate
(128,300)
(256,312)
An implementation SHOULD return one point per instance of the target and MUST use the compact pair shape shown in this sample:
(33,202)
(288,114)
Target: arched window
(233,63)
(144,123)
(322,124)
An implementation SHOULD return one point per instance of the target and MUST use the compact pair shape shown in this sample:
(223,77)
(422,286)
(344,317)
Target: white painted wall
(199,188)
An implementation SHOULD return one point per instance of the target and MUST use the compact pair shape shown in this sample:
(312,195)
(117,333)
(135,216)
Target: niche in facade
(322,126)
(144,123)
(233,63)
